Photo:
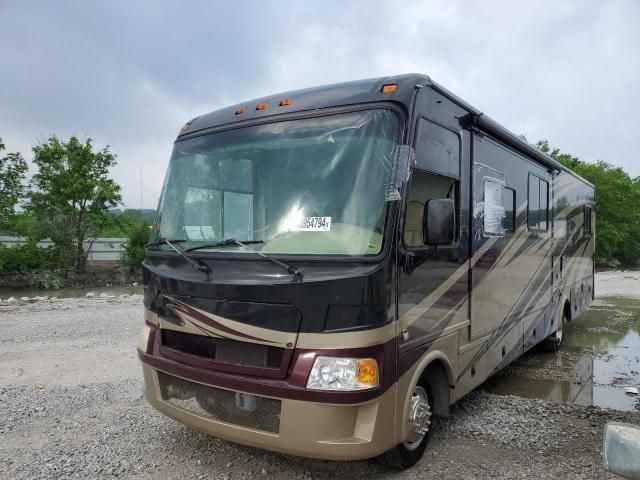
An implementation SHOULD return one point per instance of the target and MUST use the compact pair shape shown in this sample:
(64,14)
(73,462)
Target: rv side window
(509,202)
(494,211)
(423,187)
(538,204)
(437,149)
(499,208)
(587,220)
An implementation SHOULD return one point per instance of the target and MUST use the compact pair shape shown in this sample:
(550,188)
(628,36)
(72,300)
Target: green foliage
(22,258)
(30,258)
(617,212)
(137,237)
(12,186)
(119,222)
(72,192)
(49,280)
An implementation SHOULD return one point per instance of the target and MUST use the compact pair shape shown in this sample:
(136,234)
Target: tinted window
(534,201)
(544,205)
(509,202)
(538,203)
(437,149)
(587,220)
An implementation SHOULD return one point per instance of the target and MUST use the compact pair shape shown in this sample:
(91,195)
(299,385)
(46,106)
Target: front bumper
(281,416)
(308,429)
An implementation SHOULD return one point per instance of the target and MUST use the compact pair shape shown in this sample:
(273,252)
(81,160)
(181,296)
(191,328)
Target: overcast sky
(129,74)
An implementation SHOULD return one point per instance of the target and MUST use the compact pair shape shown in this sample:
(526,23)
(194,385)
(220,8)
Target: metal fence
(100,249)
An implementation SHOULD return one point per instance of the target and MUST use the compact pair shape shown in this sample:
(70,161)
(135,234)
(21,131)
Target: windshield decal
(312,224)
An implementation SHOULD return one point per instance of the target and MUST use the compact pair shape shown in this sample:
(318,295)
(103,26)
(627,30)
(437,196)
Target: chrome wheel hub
(419,418)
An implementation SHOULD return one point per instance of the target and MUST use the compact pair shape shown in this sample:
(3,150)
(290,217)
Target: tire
(407,454)
(554,341)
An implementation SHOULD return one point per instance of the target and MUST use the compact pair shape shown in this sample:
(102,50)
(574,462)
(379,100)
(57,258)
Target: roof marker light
(184,127)
(240,110)
(262,106)
(389,87)
(285,102)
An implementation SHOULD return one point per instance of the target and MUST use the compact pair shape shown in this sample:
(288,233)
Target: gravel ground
(617,283)
(72,407)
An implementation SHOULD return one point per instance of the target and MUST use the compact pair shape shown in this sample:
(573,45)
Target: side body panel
(511,272)
(574,252)
(479,304)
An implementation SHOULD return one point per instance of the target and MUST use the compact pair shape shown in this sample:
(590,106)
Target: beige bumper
(332,432)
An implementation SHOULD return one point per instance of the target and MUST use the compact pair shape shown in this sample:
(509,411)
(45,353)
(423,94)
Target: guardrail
(100,249)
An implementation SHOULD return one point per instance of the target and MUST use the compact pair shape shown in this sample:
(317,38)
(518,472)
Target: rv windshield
(308,186)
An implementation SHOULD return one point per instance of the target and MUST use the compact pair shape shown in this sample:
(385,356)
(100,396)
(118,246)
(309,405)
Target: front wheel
(408,453)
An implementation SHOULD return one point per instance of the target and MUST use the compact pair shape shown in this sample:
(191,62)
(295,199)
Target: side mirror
(438,223)
(622,449)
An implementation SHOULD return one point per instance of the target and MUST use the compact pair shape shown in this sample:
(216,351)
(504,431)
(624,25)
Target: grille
(223,349)
(259,413)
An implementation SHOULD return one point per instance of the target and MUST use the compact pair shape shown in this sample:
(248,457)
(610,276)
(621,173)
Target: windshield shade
(309,186)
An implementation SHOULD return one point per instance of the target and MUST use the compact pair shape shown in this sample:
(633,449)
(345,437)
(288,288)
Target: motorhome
(331,268)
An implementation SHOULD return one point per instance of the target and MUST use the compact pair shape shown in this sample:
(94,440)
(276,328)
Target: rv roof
(348,93)
(352,93)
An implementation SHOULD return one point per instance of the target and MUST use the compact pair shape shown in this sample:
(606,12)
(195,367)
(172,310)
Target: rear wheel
(408,453)
(554,341)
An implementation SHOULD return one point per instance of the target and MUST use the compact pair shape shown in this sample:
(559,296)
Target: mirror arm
(407,259)
(410,260)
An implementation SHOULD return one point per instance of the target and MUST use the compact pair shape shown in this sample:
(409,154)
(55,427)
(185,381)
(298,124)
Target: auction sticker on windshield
(313,224)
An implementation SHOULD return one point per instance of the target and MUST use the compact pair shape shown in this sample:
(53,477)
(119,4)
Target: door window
(424,186)
(435,176)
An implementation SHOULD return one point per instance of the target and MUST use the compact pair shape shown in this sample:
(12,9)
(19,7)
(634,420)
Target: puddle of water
(69,292)
(599,358)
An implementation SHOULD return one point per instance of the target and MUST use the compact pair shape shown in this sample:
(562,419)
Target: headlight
(335,373)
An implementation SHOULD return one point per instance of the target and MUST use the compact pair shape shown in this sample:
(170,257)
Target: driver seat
(413,223)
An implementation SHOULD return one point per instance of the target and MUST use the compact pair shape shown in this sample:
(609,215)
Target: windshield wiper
(194,262)
(296,272)
(164,241)
(228,241)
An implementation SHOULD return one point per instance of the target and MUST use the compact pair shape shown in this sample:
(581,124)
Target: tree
(137,237)
(72,192)
(12,186)
(617,213)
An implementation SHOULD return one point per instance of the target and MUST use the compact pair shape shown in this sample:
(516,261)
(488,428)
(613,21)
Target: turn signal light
(367,371)
(261,106)
(389,87)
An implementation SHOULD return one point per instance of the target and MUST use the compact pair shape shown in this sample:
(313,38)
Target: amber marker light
(367,371)
(184,127)
(389,87)
(261,106)
(285,102)
(240,110)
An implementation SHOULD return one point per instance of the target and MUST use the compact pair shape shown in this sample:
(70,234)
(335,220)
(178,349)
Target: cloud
(128,74)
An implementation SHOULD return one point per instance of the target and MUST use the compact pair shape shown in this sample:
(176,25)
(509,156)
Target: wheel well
(567,310)
(435,376)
